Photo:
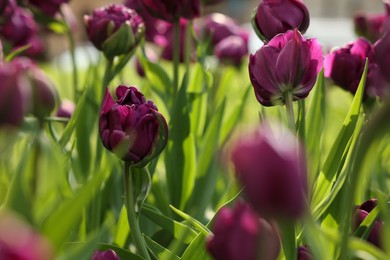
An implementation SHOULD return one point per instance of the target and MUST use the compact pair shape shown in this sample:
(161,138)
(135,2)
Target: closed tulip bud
(173,10)
(232,50)
(272,170)
(239,233)
(132,127)
(114,29)
(289,63)
(345,67)
(48,7)
(382,52)
(279,16)
(105,255)
(66,109)
(361,213)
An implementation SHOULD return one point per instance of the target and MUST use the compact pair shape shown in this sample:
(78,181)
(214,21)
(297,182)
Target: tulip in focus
(19,242)
(132,127)
(345,67)
(114,29)
(272,169)
(105,255)
(278,16)
(288,64)
(361,213)
(171,11)
(239,233)
(231,50)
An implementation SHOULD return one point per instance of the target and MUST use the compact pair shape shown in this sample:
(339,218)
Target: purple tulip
(20,28)
(345,67)
(48,7)
(231,50)
(105,255)
(19,242)
(173,10)
(304,253)
(288,63)
(114,29)
(273,172)
(361,213)
(131,127)
(66,109)
(278,16)
(372,26)
(239,233)
(7,8)
(382,52)
(217,27)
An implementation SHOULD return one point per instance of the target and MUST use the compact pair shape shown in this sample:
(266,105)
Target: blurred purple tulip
(231,50)
(239,233)
(66,109)
(278,16)
(272,170)
(304,253)
(382,53)
(361,213)
(114,29)
(131,127)
(105,255)
(345,67)
(7,8)
(289,62)
(173,10)
(18,241)
(48,7)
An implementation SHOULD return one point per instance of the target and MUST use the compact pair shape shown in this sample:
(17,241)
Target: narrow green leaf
(190,168)
(199,226)
(160,252)
(122,228)
(197,249)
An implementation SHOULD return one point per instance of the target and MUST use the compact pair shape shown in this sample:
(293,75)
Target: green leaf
(122,228)
(197,249)
(160,252)
(199,226)
(141,186)
(364,229)
(179,230)
(190,168)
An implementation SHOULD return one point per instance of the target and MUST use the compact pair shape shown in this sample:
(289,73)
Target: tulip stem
(131,214)
(290,110)
(176,55)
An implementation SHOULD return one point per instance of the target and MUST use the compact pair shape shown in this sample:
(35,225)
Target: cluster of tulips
(278,199)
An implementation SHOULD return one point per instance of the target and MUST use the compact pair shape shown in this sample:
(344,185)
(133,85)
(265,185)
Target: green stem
(34,178)
(107,73)
(288,237)
(188,45)
(176,53)
(290,110)
(131,214)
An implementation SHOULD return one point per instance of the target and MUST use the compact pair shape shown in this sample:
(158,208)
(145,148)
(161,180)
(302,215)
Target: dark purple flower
(150,55)
(216,27)
(278,16)
(20,28)
(272,170)
(239,233)
(361,213)
(131,127)
(345,67)
(372,26)
(288,63)
(18,241)
(48,7)
(171,10)
(382,53)
(66,109)
(7,8)
(114,29)
(105,255)
(231,50)
(304,253)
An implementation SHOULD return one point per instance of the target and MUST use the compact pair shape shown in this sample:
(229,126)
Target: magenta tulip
(278,16)
(382,52)
(239,233)
(105,255)
(173,10)
(7,8)
(289,63)
(231,50)
(66,109)
(273,172)
(48,7)
(304,253)
(114,29)
(131,127)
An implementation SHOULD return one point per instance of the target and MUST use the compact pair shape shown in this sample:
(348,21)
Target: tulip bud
(382,55)
(273,172)
(19,242)
(105,255)
(231,50)
(239,233)
(345,67)
(132,127)
(48,7)
(66,109)
(304,253)
(278,16)
(361,213)
(170,11)
(289,62)
(114,29)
